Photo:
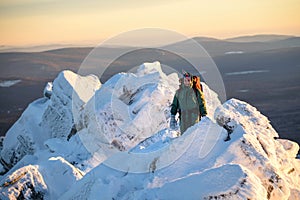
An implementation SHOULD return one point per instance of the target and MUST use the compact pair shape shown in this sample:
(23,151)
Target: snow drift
(87,140)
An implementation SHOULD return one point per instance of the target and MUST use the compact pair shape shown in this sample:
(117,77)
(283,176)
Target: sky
(40,22)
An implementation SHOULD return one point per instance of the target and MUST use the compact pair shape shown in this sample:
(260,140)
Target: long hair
(196,83)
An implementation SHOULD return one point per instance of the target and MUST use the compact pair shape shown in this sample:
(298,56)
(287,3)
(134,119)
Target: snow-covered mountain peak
(75,87)
(148,68)
(112,141)
(235,112)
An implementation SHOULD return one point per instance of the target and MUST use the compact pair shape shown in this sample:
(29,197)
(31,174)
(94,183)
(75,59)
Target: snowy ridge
(87,140)
(48,117)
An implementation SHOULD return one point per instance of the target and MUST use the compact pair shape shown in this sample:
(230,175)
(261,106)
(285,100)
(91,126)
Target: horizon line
(93,43)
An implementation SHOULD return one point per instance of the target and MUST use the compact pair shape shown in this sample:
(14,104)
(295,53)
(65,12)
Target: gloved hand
(173,122)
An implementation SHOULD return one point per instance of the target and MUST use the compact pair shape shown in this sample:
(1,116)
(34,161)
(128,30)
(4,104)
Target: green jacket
(191,106)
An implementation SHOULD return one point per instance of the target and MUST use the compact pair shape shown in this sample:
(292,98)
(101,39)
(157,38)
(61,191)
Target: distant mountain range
(245,44)
(260,38)
(268,41)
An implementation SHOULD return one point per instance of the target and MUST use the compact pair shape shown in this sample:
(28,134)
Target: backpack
(196,84)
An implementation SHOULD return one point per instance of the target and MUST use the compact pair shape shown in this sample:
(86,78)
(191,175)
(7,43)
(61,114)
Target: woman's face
(187,81)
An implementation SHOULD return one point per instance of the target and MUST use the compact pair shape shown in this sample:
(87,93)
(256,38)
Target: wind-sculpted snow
(272,160)
(209,168)
(39,177)
(70,93)
(25,183)
(48,117)
(127,109)
(83,141)
(230,182)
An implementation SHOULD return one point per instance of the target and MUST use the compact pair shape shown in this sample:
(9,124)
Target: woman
(190,104)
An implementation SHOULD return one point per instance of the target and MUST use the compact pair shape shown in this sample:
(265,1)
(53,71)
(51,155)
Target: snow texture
(85,140)
(47,118)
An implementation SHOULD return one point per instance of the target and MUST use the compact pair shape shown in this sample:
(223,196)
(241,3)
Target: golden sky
(32,22)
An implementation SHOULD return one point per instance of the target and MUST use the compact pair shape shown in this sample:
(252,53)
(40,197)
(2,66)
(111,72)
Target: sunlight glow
(34,22)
